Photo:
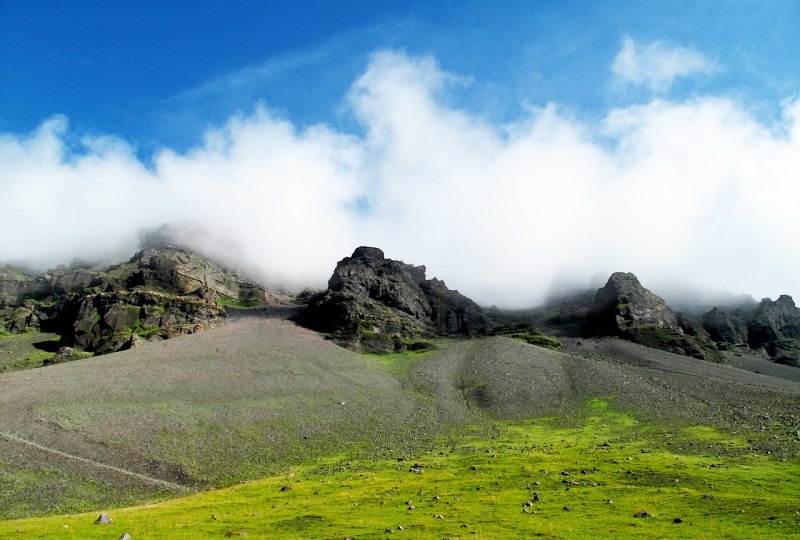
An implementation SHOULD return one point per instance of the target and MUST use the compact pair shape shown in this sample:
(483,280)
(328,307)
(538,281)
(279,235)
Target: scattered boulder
(103,520)
(643,514)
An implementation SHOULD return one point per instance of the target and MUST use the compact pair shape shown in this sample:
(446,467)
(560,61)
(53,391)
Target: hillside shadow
(48,345)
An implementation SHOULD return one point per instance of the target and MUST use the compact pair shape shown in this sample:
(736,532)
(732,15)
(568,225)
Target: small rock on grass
(642,514)
(125,536)
(677,520)
(102,520)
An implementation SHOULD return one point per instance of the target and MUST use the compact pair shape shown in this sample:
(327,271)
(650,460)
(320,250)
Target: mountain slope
(253,396)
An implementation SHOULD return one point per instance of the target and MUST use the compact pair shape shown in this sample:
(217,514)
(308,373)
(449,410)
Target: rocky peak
(623,301)
(780,312)
(625,308)
(392,283)
(375,303)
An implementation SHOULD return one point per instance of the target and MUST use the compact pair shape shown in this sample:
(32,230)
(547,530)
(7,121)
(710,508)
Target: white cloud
(698,190)
(656,64)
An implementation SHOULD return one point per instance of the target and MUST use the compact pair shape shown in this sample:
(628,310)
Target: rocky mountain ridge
(371,304)
(626,309)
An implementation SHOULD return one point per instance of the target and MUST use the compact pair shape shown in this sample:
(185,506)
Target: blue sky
(470,136)
(159,73)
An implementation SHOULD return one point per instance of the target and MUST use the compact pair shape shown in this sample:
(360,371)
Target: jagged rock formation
(624,302)
(624,308)
(13,284)
(158,294)
(722,326)
(775,327)
(378,304)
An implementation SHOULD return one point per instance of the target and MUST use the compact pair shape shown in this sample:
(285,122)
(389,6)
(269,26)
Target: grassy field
(602,465)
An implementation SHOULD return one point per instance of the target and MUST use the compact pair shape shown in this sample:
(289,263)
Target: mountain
(372,304)
(771,326)
(624,308)
(158,294)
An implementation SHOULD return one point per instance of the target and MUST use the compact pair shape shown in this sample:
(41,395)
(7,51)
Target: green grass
(529,334)
(18,352)
(399,364)
(225,301)
(478,484)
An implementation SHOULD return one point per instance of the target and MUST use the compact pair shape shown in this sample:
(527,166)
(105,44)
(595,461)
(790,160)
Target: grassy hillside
(257,398)
(523,479)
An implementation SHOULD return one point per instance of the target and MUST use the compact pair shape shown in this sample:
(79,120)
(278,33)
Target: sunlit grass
(475,486)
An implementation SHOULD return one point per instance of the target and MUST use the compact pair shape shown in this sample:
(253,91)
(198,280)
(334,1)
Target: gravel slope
(256,395)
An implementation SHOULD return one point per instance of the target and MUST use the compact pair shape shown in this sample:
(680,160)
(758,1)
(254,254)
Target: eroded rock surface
(379,304)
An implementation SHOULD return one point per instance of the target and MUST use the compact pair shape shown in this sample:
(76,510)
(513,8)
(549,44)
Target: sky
(517,149)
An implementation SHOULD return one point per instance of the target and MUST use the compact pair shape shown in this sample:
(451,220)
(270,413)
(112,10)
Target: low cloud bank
(698,190)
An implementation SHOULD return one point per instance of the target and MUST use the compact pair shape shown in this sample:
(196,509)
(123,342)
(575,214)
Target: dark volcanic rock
(725,327)
(623,302)
(624,308)
(452,313)
(775,326)
(379,304)
(158,294)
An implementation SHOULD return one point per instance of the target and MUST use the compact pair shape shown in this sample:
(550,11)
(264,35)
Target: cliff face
(775,327)
(379,304)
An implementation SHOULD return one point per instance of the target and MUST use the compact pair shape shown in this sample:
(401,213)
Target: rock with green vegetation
(625,308)
(378,304)
(158,294)
(775,327)
(13,284)
(529,334)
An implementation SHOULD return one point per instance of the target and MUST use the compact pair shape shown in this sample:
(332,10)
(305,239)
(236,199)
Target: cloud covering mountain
(700,189)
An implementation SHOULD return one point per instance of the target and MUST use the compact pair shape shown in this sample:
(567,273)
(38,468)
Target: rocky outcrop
(624,308)
(158,294)
(13,285)
(623,302)
(107,322)
(725,327)
(379,304)
(775,327)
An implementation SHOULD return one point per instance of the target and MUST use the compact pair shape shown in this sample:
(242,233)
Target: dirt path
(93,463)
